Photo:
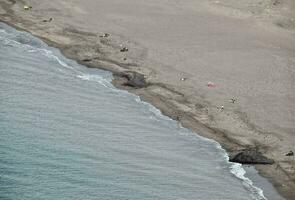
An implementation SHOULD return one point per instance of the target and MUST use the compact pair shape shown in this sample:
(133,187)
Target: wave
(156,112)
(239,172)
(99,79)
(32,45)
(235,168)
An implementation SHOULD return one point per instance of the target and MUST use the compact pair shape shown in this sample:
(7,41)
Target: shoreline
(235,168)
(165,97)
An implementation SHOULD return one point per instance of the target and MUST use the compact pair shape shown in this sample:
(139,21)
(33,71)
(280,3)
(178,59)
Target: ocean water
(66,133)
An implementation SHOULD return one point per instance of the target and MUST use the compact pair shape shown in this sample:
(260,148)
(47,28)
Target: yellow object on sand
(27,7)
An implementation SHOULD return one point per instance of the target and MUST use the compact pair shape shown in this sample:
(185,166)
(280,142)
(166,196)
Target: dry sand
(247,48)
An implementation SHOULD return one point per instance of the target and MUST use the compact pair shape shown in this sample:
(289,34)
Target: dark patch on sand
(251,156)
(135,80)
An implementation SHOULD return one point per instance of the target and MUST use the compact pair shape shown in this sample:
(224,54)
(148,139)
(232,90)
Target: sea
(66,133)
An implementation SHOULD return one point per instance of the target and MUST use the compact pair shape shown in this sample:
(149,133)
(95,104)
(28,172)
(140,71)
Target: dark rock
(48,20)
(251,156)
(233,100)
(87,60)
(135,80)
(291,153)
(276,2)
(124,49)
(105,35)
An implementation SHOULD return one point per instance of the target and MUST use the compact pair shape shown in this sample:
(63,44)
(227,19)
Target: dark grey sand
(245,48)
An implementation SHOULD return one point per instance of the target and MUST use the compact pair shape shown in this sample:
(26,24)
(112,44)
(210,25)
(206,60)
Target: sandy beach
(224,69)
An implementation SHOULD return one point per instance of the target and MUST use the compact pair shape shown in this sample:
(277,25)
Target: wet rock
(48,20)
(233,100)
(87,60)
(105,35)
(124,49)
(26,7)
(276,2)
(250,156)
(135,80)
(290,153)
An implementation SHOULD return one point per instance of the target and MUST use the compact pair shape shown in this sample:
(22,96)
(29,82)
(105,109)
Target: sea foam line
(99,79)
(10,40)
(238,171)
(235,168)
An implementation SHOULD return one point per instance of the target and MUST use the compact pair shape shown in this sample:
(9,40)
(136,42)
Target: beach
(223,69)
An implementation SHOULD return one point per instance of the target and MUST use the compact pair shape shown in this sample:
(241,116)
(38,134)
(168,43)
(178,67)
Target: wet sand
(246,49)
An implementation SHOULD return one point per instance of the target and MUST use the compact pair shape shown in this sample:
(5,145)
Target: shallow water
(67,133)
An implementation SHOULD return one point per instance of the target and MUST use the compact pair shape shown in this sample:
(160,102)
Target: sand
(246,48)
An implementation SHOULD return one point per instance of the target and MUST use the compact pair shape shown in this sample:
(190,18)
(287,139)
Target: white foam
(152,109)
(238,171)
(9,40)
(47,53)
(99,79)
(50,54)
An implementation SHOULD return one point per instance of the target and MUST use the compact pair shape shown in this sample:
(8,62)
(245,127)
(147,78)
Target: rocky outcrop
(135,80)
(290,153)
(250,156)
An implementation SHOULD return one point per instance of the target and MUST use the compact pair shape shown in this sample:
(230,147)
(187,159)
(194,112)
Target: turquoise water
(67,133)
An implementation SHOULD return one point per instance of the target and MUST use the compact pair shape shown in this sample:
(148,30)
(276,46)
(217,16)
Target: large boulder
(250,156)
(135,80)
